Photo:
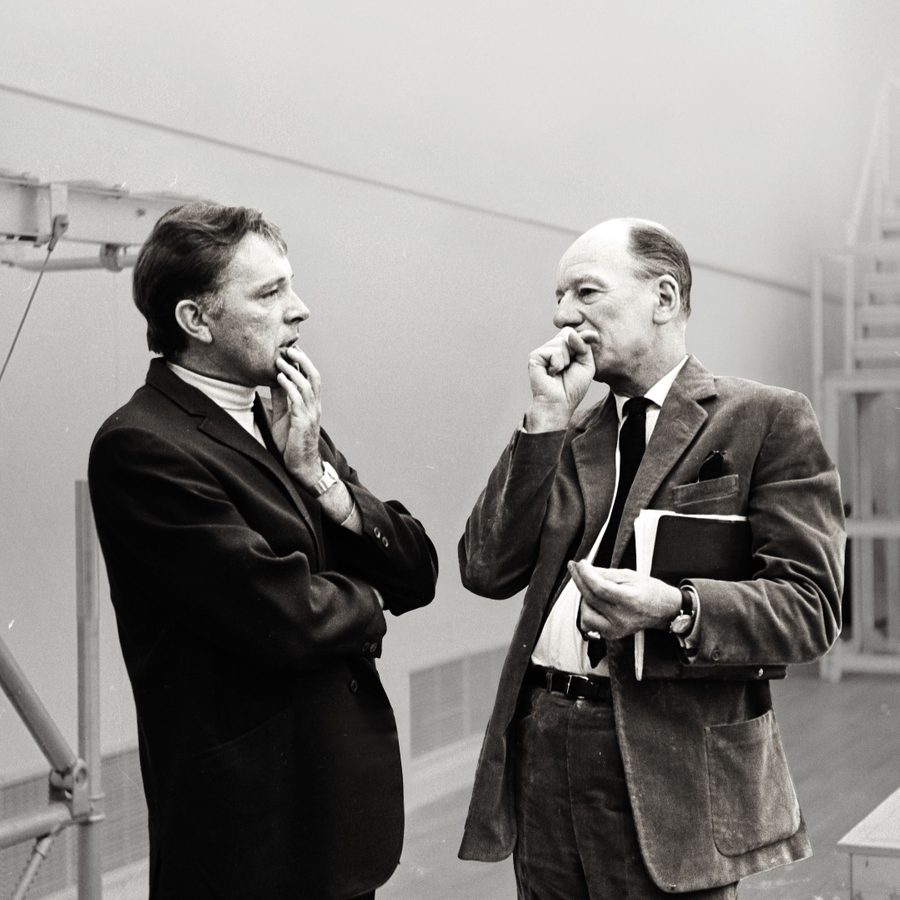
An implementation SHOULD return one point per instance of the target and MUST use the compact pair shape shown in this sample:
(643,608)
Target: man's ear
(189,314)
(668,304)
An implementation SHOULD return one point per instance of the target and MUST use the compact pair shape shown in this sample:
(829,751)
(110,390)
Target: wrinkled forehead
(256,258)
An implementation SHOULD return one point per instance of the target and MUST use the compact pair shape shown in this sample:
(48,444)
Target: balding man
(601,784)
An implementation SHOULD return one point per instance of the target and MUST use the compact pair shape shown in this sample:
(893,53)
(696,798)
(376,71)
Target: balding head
(628,280)
(655,251)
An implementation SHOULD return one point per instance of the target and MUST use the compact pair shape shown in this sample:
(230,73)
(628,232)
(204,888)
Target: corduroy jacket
(709,785)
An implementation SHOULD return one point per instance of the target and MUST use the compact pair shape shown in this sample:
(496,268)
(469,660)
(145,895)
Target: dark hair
(660,253)
(186,256)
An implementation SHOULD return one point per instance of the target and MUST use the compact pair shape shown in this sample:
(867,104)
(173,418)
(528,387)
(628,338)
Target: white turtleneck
(235,399)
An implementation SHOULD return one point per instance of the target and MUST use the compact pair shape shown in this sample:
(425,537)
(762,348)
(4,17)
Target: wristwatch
(684,621)
(328,479)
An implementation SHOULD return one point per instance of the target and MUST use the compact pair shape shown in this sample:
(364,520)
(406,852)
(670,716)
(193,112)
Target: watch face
(681,624)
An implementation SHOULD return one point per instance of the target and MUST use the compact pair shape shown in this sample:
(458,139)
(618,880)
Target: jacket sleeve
(790,612)
(177,548)
(393,553)
(499,548)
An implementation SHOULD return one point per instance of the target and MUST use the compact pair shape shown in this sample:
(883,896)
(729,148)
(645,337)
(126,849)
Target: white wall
(740,126)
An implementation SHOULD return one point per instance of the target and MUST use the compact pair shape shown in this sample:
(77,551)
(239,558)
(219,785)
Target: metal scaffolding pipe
(90,864)
(34,714)
(34,824)
(72,263)
(38,855)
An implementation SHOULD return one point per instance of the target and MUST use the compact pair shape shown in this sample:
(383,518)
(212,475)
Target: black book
(698,547)
(672,546)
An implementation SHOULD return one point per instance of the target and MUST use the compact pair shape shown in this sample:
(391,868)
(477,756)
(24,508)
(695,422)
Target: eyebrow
(273,282)
(579,281)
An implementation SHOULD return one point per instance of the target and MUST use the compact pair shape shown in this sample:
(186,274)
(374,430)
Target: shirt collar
(656,394)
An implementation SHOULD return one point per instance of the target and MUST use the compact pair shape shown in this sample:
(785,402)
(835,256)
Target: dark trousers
(576,832)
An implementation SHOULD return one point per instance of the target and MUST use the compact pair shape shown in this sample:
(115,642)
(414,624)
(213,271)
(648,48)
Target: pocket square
(712,467)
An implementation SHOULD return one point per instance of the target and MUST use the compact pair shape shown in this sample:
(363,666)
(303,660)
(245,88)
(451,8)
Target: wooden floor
(843,745)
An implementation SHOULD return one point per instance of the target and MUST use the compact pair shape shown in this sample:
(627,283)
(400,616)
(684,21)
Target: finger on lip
(588,336)
(289,356)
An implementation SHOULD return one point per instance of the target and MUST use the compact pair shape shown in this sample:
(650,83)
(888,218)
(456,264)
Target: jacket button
(716,654)
(385,541)
(376,531)
(761,672)
(354,686)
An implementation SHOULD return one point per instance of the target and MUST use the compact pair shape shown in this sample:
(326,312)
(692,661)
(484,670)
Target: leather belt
(574,687)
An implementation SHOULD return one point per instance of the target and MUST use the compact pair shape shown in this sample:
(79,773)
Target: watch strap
(684,621)
(328,478)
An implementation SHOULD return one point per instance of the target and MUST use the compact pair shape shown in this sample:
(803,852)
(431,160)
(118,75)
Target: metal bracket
(71,788)
(114,257)
(59,215)
(35,213)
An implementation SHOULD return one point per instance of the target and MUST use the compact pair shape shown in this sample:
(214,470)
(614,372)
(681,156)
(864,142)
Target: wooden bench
(873,846)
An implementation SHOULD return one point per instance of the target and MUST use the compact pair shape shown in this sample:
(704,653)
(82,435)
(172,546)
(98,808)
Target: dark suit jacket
(709,785)
(248,623)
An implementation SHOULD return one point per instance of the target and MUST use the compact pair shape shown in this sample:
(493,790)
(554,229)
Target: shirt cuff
(690,642)
(353,522)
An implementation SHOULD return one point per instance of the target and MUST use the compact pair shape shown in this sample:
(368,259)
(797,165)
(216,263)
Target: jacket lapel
(680,418)
(220,427)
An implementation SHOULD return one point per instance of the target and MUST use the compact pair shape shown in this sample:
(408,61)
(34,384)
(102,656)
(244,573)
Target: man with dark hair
(607,777)
(187,255)
(250,573)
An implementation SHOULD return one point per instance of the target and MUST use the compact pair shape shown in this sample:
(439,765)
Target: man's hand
(296,411)
(619,602)
(560,373)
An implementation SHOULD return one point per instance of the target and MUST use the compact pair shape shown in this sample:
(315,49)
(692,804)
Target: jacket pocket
(752,798)
(236,828)
(718,495)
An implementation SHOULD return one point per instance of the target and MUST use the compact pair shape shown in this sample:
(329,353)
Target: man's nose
(566,312)
(296,310)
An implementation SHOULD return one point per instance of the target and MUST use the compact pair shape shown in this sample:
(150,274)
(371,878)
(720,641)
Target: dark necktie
(632,442)
(262,423)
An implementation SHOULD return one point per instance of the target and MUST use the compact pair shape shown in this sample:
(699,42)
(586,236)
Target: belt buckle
(569,677)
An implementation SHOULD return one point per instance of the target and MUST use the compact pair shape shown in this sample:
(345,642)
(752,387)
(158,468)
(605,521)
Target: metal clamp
(114,257)
(59,215)
(71,788)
